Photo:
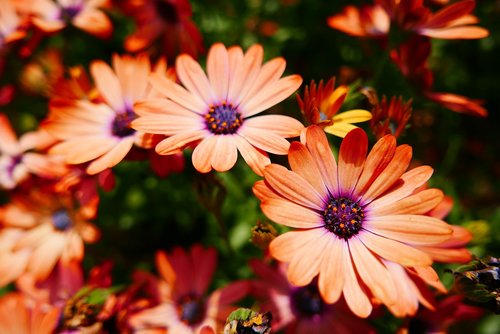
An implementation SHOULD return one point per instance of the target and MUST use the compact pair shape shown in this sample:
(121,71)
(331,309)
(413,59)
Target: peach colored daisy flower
(10,26)
(353,218)
(215,113)
(17,160)
(38,230)
(51,16)
(184,306)
(20,315)
(100,133)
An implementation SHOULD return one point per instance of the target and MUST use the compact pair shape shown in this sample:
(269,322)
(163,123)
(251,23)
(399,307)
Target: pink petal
(289,214)
(302,163)
(416,204)
(271,95)
(112,157)
(108,84)
(194,79)
(413,229)
(390,174)
(394,251)
(167,125)
(133,75)
(378,159)
(373,273)
(332,267)
(354,294)
(352,157)
(83,149)
(225,153)
(203,153)
(263,192)
(255,158)
(179,141)
(44,258)
(317,144)
(293,187)
(284,126)
(218,70)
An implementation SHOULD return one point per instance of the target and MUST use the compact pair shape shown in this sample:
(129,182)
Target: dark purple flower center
(121,124)
(223,119)
(61,220)
(68,13)
(307,301)
(343,217)
(15,160)
(191,309)
(167,11)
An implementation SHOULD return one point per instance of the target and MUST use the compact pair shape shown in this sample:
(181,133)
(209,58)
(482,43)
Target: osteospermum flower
(100,133)
(321,104)
(351,217)
(300,309)
(184,306)
(17,161)
(10,27)
(51,16)
(215,113)
(40,229)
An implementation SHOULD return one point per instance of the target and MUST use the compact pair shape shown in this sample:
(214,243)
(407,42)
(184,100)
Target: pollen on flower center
(191,309)
(343,217)
(307,301)
(120,126)
(223,119)
(61,220)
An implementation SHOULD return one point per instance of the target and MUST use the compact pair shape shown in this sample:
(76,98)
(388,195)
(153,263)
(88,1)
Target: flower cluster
(120,136)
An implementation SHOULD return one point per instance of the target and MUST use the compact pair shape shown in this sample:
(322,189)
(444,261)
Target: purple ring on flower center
(61,220)
(343,217)
(120,127)
(223,119)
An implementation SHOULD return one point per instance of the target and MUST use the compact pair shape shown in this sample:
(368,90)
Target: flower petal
(255,158)
(354,294)
(194,79)
(284,126)
(292,186)
(112,157)
(285,246)
(265,140)
(416,204)
(286,213)
(303,164)
(352,157)
(108,84)
(218,70)
(177,142)
(44,258)
(331,276)
(202,154)
(167,125)
(413,229)
(225,153)
(244,70)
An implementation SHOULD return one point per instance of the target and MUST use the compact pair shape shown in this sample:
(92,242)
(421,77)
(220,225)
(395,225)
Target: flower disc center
(191,310)
(343,217)
(223,119)
(307,300)
(120,126)
(61,220)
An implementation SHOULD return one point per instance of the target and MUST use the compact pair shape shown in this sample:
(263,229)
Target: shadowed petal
(255,158)
(177,142)
(202,154)
(112,157)
(281,125)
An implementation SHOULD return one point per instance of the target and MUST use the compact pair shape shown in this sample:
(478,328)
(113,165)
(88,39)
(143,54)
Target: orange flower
(322,103)
(367,21)
(184,306)
(16,160)
(21,315)
(352,219)
(215,113)
(51,16)
(169,20)
(390,117)
(458,103)
(100,133)
(38,230)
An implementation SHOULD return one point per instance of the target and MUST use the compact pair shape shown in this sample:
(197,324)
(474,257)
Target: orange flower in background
(51,16)
(38,230)
(367,21)
(216,113)
(389,117)
(321,104)
(11,24)
(352,218)
(184,305)
(20,315)
(17,161)
(458,103)
(300,309)
(100,133)
(168,20)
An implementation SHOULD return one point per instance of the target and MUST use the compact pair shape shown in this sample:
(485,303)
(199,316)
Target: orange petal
(456,33)
(293,187)
(331,276)
(225,153)
(45,257)
(449,13)
(244,71)
(265,140)
(112,157)
(255,158)
(263,192)
(168,125)
(289,214)
(8,138)
(352,157)
(194,79)
(94,22)
(285,246)
(395,251)
(302,163)
(179,141)
(218,70)
(178,94)
(108,84)
(202,154)
(283,126)
(416,204)
(413,229)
